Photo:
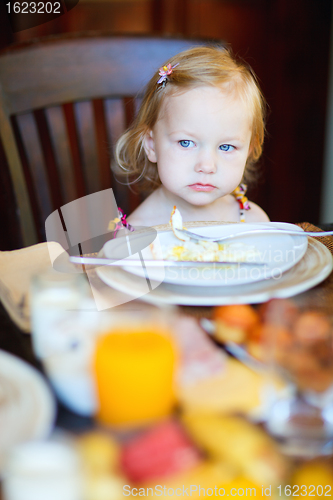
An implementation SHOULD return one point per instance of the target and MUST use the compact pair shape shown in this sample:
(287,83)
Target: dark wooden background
(287,44)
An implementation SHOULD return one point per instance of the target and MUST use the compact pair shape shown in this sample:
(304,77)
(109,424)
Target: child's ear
(149,146)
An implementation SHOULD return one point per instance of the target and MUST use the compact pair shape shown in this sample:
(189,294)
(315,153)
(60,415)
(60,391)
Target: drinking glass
(300,348)
(134,365)
(65,324)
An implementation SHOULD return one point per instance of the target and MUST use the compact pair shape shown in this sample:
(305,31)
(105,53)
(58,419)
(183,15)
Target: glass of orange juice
(134,366)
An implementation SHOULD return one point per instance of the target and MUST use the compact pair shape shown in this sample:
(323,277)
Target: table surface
(14,341)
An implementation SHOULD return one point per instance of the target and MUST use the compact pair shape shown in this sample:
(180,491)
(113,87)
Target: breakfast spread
(195,449)
(207,440)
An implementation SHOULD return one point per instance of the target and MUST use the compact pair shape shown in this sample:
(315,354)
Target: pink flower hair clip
(119,223)
(164,72)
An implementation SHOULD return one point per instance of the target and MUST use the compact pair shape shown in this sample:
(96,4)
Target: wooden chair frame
(57,72)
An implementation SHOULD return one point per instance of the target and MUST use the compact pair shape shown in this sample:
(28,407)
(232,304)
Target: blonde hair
(199,66)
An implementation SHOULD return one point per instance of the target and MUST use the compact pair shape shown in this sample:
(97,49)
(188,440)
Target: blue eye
(186,143)
(226,147)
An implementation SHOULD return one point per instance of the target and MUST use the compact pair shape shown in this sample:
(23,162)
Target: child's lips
(202,187)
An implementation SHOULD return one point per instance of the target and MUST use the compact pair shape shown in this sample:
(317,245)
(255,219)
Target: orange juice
(134,370)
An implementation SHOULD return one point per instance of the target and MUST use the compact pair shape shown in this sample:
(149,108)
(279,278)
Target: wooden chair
(64,101)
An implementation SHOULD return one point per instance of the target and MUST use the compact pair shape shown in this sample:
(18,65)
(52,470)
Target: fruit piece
(313,474)
(235,322)
(312,326)
(242,486)
(257,350)
(100,463)
(103,487)
(282,312)
(161,451)
(226,333)
(240,315)
(236,389)
(99,452)
(256,333)
(238,442)
(191,483)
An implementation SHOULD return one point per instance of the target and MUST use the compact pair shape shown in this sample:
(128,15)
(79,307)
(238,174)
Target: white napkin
(17,267)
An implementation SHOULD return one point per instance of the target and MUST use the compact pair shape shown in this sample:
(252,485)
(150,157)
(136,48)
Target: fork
(251,232)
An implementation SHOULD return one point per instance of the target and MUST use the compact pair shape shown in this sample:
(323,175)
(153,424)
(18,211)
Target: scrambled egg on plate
(202,251)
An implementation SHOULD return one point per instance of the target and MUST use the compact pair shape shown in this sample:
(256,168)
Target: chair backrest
(64,101)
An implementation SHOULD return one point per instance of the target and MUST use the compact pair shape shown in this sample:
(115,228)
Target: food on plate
(281,312)
(99,452)
(312,325)
(238,442)
(237,389)
(99,455)
(208,379)
(235,454)
(201,250)
(245,325)
(209,474)
(241,324)
(313,474)
(159,452)
(298,341)
(235,322)
(303,349)
(200,358)
(210,477)
(194,449)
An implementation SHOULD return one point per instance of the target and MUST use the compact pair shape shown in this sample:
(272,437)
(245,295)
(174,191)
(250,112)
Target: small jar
(58,301)
(65,324)
(40,470)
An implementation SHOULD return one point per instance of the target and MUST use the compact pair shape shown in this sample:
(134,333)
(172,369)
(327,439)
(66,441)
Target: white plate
(27,407)
(278,252)
(314,267)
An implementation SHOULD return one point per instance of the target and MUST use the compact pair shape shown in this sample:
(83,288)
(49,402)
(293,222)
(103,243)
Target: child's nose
(206,163)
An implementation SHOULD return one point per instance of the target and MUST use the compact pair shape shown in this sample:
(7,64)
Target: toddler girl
(196,137)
